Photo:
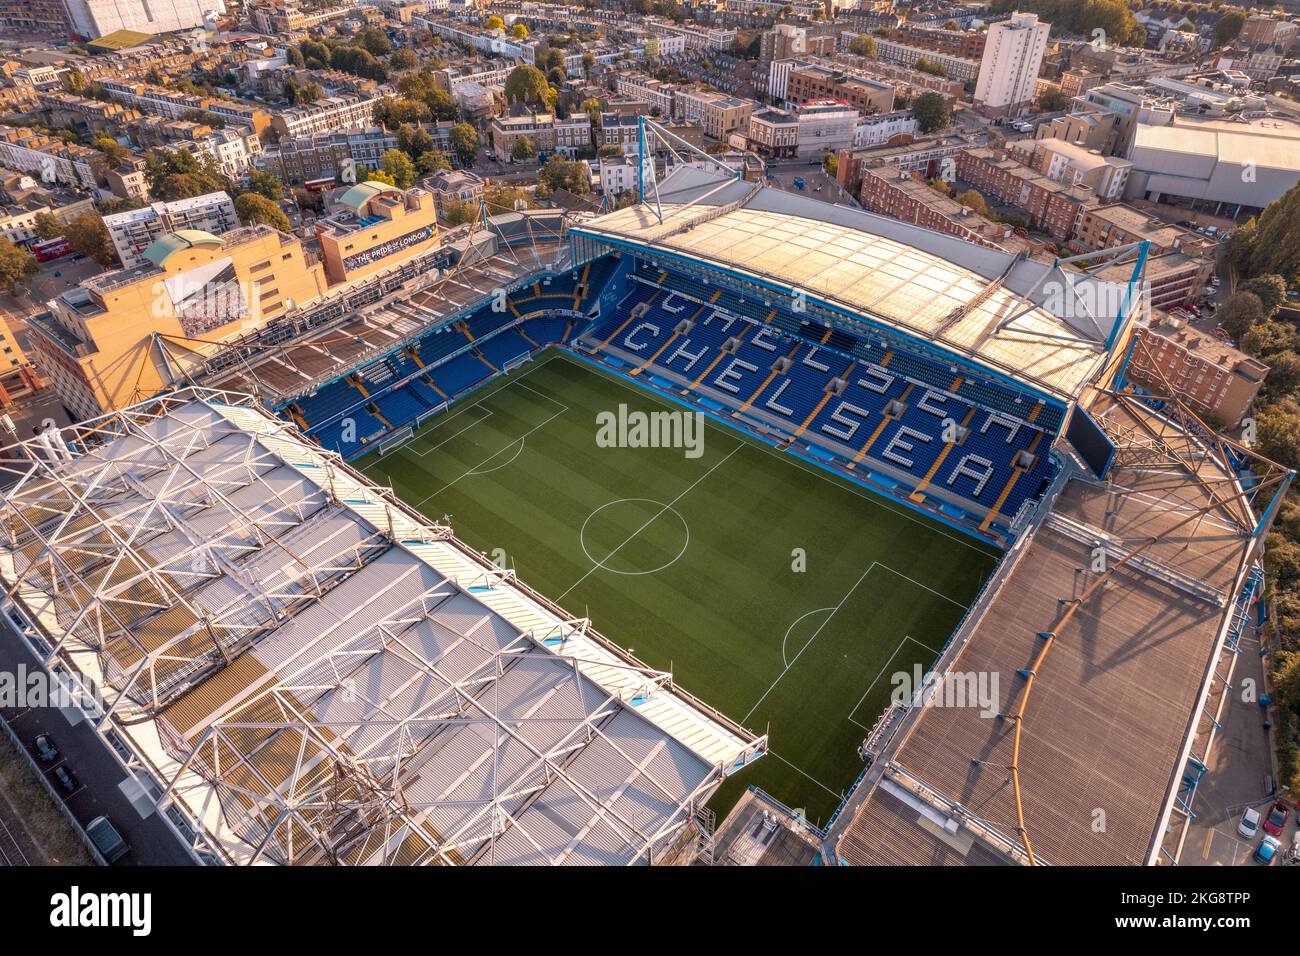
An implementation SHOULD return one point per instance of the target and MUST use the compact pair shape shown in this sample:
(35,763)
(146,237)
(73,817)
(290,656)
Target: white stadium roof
(1018,317)
(315,673)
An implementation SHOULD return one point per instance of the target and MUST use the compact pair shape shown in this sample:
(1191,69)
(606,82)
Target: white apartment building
(825,126)
(235,151)
(18,223)
(882,127)
(956,67)
(1008,72)
(335,112)
(620,175)
(97,18)
(658,94)
(50,160)
(778,78)
(132,232)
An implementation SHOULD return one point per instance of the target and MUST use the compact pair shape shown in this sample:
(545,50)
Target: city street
(103,788)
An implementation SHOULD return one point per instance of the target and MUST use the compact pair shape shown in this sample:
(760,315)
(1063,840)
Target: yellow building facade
(376,227)
(100,343)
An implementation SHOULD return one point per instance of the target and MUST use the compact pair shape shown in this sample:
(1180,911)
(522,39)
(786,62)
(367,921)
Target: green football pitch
(775,591)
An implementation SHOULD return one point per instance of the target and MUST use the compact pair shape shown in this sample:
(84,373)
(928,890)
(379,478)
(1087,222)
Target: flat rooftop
(1114,700)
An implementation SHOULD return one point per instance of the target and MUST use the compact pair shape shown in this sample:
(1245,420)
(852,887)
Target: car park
(1275,820)
(1248,825)
(64,778)
(1266,852)
(45,748)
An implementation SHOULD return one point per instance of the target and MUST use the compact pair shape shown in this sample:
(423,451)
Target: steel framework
(449,714)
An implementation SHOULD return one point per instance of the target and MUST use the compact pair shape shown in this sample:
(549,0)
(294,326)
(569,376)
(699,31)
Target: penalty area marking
(582,536)
(476,468)
(487,471)
(876,680)
(785,661)
(834,611)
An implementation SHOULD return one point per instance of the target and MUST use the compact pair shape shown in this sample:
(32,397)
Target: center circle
(608,529)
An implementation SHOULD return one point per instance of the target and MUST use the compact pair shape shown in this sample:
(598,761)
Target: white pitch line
(926,586)
(834,611)
(805,773)
(785,661)
(883,668)
(506,384)
(475,469)
(487,413)
(820,627)
(844,484)
(600,564)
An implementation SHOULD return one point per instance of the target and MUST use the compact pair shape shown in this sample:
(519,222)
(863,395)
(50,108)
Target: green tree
(1283,373)
(114,151)
(265,184)
(254,208)
(560,173)
(464,143)
(923,65)
(527,84)
(1267,339)
(973,199)
(16,264)
(1271,290)
(176,174)
(46,225)
(931,111)
(1228,27)
(1278,431)
(1270,244)
(864,44)
(375,41)
(504,197)
(524,149)
(88,235)
(1240,313)
(423,87)
(398,165)
(1053,99)
(429,162)
(457,212)
(831,164)
(404,59)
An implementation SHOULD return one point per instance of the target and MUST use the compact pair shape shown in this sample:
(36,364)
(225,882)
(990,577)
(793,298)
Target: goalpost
(396,440)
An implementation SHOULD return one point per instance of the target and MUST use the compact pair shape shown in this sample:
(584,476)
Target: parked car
(45,748)
(107,840)
(1248,825)
(1275,820)
(66,781)
(1266,852)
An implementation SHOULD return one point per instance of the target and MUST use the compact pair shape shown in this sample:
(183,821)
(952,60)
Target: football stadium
(601,529)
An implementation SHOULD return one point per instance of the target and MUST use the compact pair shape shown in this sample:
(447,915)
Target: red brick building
(1050,206)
